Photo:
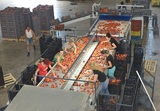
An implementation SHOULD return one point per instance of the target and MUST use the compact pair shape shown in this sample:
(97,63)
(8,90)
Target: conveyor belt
(80,64)
(125,28)
(59,81)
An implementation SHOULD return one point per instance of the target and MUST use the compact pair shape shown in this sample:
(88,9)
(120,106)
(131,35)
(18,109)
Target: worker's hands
(34,83)
(64,67)
(80,77)
(66,52)
(34,39)
(88,72)
(54,74)
(102,42)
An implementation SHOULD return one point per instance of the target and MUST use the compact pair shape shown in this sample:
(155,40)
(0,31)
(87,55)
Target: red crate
(59,27)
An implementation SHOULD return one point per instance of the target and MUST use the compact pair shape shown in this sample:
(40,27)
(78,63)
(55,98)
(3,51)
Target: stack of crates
(21,25)
(65,18)
(4,24)
(49,46)
(27,17)
(12,22)
(121,70)
(45,15)
(36,25)
(132,85)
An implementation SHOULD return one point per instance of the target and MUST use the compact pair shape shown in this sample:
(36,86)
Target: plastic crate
(114,89)
(12,94)
(127,100)
(27,74)
(125,108)
(59,27)
(129,90)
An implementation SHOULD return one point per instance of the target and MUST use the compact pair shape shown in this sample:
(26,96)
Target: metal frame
(72,68)
(12,89)
(107,97)
(91,97)
(55,33)
(134,106)
(134,103)
(148,84)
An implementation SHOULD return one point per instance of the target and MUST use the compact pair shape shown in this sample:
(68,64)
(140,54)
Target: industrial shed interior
(134,24)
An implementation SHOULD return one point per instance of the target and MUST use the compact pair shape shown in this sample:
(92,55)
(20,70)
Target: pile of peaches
(111,26)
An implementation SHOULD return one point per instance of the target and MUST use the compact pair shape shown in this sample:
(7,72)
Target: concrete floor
(13,57)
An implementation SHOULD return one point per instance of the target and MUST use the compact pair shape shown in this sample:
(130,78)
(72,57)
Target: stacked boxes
(20,23)
(132,83)
(121,70)
(4,24)
(65,18)
(27,17)
(126,49)
(45,15)
(49,46)
(55,22)
(27,74)
(36,25)
(13,22)
(107,102)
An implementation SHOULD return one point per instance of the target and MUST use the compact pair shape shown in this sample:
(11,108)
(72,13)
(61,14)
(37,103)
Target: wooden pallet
(10,39)
(23,39)
(45,31)
(8,79)
(151,65)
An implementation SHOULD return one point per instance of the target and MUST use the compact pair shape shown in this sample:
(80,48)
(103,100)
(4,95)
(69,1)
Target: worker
(122,7)
(115,45)
(70,46)
(110,67)
(58,58)
(42,70)
(29,34)
(98,75)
